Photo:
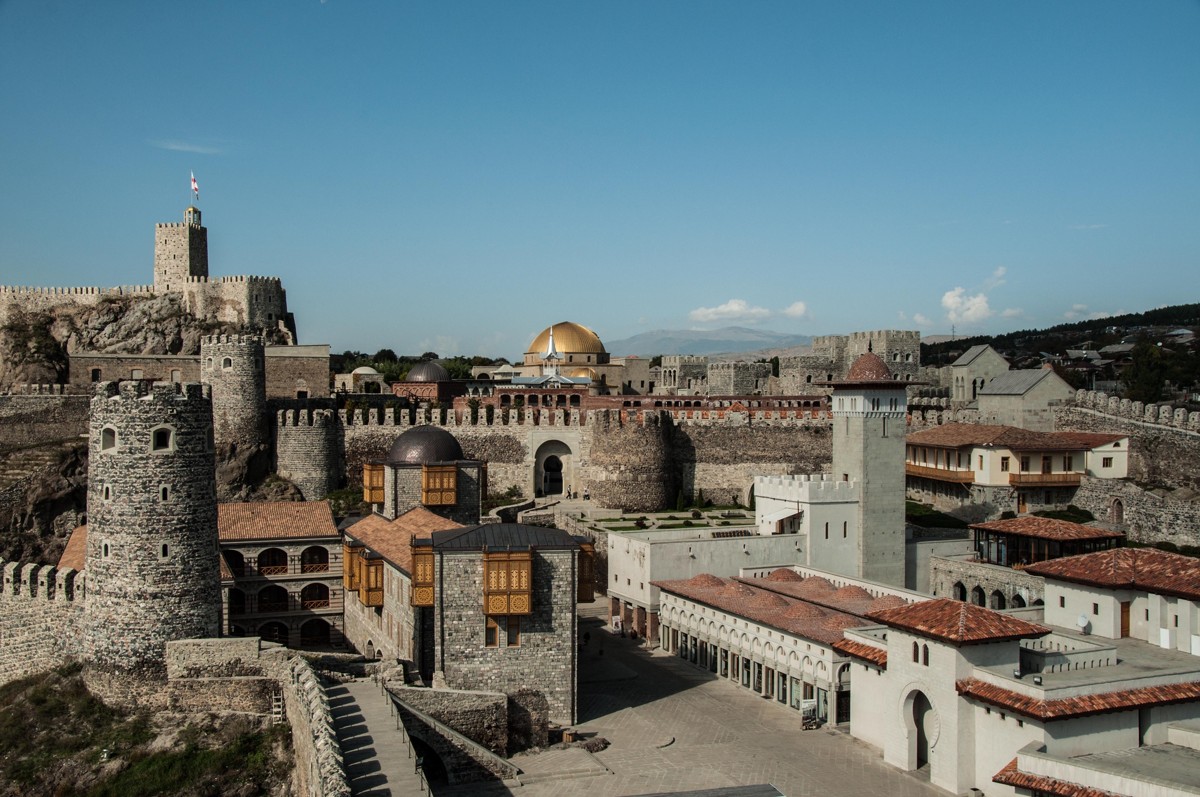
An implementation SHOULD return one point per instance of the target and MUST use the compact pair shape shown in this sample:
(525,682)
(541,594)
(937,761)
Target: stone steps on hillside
(27,462)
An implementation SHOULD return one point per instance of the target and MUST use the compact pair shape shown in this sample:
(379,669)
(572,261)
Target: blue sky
(457,176)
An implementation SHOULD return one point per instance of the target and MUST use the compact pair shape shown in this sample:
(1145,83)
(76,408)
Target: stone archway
(921,727)
(554,469)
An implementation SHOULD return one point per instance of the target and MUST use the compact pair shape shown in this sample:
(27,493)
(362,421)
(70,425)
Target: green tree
(1145,376)
(385,356)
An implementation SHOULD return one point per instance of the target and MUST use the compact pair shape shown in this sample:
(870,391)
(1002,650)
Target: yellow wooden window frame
(439,485)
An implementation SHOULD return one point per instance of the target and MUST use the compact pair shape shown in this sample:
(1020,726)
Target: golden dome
(568,338)
(575,373)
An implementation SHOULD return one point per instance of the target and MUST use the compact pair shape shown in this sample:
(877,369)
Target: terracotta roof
(1091,439)
(763,606)
(75,554)
(869,367)
(1047,529)
(961,435)
(392,539)
(850,599)
(861,650)
(1042,784)
(1128,568)
(1078,705)
(957,622)
(275,520)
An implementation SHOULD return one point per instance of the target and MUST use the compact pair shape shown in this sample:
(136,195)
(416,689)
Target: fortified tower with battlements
(233,365)
(180,252)
(152,560)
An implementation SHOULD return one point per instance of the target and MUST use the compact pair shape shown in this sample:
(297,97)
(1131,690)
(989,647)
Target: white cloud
(1012,312)
(442,345)
(996,280)
(961,307)
(185,146)
(1082,311)
(796,310)
(921,320)
(732,310)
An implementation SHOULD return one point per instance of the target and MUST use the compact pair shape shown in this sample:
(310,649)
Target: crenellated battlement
(158,391)
(38,390)
(1157,414)
(809,487)
(66,294)
(306,416)
(244,340)
(44,583)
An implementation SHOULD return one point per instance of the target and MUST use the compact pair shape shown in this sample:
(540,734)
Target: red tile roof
(861,650)
(1011,776)
(815,589)
(75,554)
(1078,705)
(763,606)
(958,623)
(962,435)
(275,520)
(1128,568)
(1047,529)
(1091,439)
(392,539)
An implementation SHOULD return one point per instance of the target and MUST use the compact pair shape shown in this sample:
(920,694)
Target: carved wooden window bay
(439,485)
(422,581)
(373,483)
(507,582)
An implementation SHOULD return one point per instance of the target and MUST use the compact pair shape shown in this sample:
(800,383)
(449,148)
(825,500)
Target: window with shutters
(439,485)
(422,582)
(373,483)
(507,582)
(350,551)
(370,587)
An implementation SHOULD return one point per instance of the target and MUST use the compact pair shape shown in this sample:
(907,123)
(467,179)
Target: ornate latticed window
(507,582)
(350,551)
(370,587)
(373,483)
(439,485)
(422,582)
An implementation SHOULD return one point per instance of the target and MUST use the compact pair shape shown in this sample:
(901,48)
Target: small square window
(1096,609)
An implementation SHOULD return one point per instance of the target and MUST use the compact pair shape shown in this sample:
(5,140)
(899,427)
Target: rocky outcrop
(34,345)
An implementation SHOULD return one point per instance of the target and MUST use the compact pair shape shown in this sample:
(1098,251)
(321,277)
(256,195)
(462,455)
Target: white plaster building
(998,703)
(774,632)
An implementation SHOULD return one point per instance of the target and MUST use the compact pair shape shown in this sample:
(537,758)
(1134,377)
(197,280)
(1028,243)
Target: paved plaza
(673,728)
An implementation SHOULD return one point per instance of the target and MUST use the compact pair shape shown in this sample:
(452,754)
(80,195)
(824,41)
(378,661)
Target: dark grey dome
(428,372)
(422,445)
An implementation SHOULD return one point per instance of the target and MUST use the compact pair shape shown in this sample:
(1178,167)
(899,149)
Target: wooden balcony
(940,474)
(1044,479)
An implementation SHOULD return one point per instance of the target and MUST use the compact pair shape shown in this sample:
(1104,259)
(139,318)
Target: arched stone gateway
(1116,511)
(921,726)
(554,469)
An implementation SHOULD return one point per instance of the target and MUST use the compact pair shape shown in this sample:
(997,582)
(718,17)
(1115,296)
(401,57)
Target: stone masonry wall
(480,716)
(40,609)
(630,465)
(308,443)
(545,658)
(38,418)
(320,769)
(1145,517)
(944,572)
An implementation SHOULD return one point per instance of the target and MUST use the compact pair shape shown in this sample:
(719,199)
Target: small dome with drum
(424,445)
(428,372)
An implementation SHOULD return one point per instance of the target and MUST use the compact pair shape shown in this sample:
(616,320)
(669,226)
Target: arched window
(916,652)
(925,655)
(108,438)
(164,493)
(164,551)
(227,362)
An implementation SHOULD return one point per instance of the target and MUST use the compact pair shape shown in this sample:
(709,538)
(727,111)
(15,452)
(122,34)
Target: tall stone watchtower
(233,365)
(869,410)
(152,567)
(180,252)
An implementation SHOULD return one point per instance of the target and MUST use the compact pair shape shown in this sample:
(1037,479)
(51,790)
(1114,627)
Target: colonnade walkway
(379,757)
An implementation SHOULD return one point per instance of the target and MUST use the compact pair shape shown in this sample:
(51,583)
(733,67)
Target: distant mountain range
(725,341)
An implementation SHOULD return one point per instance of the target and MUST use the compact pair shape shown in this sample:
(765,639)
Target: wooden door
(1125,618)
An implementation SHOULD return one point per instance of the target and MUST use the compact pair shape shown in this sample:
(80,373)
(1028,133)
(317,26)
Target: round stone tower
(630,458)
(152,566)
(233,365)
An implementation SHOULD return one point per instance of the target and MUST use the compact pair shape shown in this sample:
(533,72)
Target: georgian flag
(195,186)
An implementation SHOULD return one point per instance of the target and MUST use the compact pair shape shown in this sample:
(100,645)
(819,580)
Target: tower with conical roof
(869,410)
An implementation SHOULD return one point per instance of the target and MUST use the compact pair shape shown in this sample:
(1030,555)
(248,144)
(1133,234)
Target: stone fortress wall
(830,357)
(41,611)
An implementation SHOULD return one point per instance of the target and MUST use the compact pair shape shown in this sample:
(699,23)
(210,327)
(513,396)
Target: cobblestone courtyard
(673,727)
